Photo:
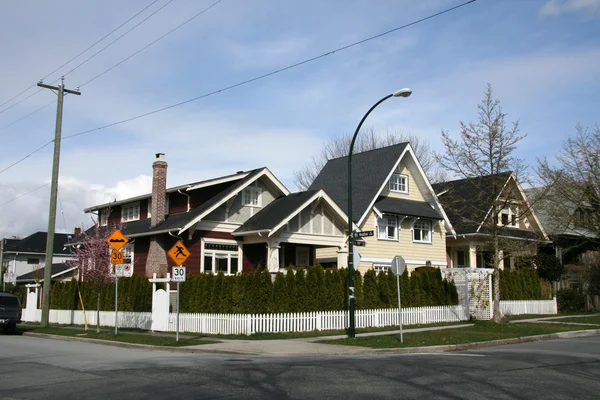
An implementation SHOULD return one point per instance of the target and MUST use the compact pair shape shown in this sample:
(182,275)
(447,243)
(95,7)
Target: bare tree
(571,186)
(485,149)
(365,141)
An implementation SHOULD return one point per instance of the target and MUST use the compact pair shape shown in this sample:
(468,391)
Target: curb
(356,350)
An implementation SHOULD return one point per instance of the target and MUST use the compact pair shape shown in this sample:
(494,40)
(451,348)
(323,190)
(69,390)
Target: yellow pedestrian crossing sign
(178,253)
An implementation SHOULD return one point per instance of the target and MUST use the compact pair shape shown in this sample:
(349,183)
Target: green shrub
(570,300)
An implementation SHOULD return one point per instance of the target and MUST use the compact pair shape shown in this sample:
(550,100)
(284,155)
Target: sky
(541,57)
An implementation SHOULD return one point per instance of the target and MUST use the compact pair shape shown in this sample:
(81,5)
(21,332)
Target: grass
(531,316)
(482,331)
(582,320)
(310,334)
(124,336)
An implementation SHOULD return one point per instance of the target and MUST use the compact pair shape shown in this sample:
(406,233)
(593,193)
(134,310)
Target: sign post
(398,268)
(178,253)
(117,240)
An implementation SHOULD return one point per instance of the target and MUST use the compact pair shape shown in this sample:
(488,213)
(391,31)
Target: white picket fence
(140,320)
(246,324)
(519,307)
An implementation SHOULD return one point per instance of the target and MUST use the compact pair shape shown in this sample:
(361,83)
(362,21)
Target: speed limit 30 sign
(178,274)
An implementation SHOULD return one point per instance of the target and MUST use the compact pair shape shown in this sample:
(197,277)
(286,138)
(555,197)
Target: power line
(118,38)
(151,43)
(111,68)
(249,80)
(27,116)
(26,157)
(270,73)
(25,194)
(89,47)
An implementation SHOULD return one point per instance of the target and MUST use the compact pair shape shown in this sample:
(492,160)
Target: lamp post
(352,326)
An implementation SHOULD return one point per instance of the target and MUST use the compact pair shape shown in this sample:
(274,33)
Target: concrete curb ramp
(300,347)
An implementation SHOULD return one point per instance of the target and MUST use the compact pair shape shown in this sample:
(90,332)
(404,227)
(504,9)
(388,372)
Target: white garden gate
(474,287)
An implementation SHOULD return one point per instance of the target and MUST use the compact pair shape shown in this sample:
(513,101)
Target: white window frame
(255,198)
(511,217)
(218,254)
(417,226)
(135,215)
(103,217)
(384,222)
(398,183)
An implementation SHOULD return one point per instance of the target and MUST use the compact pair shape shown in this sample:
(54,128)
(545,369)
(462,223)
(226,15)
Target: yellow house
(393,198)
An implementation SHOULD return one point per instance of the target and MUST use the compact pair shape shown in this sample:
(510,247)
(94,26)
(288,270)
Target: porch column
(342,257)
(273,256)
(472,256)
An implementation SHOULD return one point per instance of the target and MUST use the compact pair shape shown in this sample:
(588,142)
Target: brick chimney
(159,189)
(157,256)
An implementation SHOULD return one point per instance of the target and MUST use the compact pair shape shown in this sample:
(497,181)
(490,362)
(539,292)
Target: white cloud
(558,7)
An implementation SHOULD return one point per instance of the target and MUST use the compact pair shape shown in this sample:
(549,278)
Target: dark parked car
(10,311)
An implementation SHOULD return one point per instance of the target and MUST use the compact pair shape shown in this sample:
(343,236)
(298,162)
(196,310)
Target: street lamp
(352,329)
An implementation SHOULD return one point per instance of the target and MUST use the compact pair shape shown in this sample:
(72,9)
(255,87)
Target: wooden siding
(178,203)
(144,209)
(321,222)
(114,217)
(140,255)
(405,247)
(414,191)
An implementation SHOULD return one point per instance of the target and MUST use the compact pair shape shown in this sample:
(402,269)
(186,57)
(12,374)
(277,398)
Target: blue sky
(541,57)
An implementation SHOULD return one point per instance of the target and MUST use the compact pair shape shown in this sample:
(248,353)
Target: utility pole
(60,90)
(2,264)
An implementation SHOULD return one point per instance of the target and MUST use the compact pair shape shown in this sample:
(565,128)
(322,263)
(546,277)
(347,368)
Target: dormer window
(251,197)
(508,217)
(398,183)
(130,212)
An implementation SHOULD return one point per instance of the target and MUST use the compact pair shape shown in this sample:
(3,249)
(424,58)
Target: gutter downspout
(189,198)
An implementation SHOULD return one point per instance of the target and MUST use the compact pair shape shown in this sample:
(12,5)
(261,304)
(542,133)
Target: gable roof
(56,270)
(212,194)
(281,210)
(370,169)
(36,244)
(371,172)
(468,202)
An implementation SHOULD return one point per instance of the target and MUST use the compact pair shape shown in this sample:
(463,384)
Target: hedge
(522,284)
(135,294)
(311,289)
(300,290)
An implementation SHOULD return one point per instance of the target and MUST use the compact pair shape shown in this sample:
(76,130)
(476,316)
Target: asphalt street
(39,368)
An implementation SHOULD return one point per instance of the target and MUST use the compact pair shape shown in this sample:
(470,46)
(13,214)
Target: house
(471,205)
(22,256)
(229,224)
(58,272)
(569,225)
(392,197)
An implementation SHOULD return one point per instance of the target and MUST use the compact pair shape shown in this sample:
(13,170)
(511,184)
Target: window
(399,183)
(33,261)
(460,259)
(251,197)
(387,227)
(128,254)
(422,231)
(302,256)
(130,212)
(220,257)
(508,217)
(104,217)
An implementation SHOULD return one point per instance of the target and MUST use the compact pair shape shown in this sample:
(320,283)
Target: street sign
(120,271)
(117,257)
(359,243)
(398,265)
(178,274)
(362,234)
(178,253)
(117,240)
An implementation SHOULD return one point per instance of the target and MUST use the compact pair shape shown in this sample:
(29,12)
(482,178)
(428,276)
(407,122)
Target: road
(37,368)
